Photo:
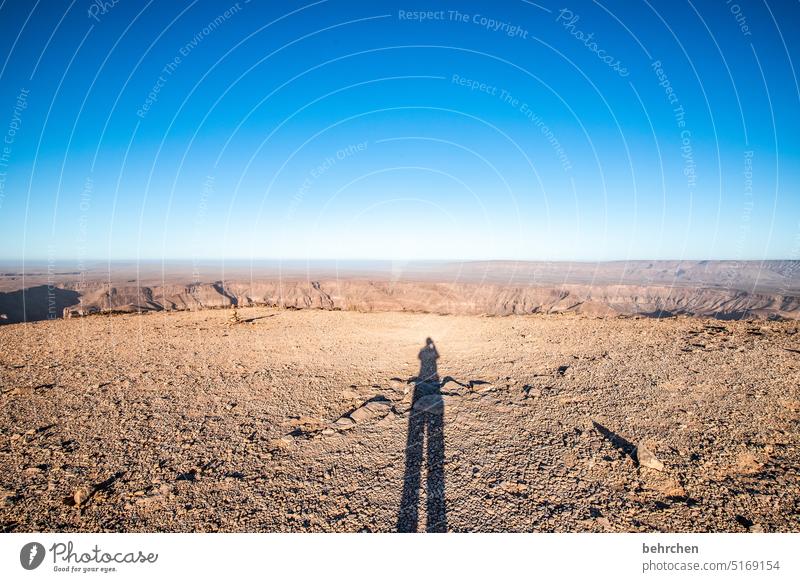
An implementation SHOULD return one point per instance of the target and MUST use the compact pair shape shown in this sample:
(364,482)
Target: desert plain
(287,420)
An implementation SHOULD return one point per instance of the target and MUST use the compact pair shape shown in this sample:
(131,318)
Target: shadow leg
(437,514)
(408,516)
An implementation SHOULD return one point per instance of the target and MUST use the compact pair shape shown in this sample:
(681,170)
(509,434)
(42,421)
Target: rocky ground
(297,421)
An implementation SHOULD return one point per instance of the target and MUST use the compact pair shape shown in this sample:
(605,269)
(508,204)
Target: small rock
(531,392)
(81,495)
(403,406)
(281,444)
(398,384)
(646,458)
(513,488)
(7,496)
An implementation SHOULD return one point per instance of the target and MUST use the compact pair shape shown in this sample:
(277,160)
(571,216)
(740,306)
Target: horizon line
(375,260)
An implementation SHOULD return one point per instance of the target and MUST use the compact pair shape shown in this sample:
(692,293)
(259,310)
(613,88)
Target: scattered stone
(403,407)
(646,458)
(513,488)
(7,496)
(344,423)
(361,414)
(746,463)
(81,496)
(398,384)
(372,410)
(281,444)
(480,386)
(571,399)
(484,388)
(306,425)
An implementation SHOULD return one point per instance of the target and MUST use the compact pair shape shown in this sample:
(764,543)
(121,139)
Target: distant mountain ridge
(715,289)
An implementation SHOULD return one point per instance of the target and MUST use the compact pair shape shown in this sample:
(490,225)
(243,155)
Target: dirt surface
(298,421)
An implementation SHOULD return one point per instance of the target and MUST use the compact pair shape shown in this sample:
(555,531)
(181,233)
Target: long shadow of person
(426,419)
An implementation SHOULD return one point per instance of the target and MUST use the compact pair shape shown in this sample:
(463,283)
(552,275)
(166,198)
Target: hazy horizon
(94,262)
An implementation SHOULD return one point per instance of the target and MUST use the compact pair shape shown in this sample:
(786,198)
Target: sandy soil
(299,421)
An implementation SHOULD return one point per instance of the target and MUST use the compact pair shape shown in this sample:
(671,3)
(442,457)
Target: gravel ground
(300,420)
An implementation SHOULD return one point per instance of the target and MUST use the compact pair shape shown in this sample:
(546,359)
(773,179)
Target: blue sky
(359,130)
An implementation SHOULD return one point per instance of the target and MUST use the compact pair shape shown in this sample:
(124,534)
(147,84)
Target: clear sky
(399,130)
